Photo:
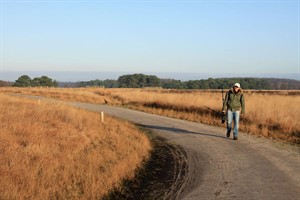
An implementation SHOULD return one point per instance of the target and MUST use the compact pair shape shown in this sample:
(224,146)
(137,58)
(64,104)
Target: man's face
(236,89)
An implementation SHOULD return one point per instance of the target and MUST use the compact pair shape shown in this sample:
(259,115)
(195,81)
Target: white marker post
(102,116)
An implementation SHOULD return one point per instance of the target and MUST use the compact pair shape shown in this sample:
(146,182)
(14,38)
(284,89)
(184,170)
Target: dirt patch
(162,175)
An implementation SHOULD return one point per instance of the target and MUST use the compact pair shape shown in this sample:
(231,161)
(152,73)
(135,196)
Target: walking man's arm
(243,104)
(225,103)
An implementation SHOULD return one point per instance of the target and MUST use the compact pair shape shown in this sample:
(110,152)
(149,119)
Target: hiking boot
(228,134)
(235,138)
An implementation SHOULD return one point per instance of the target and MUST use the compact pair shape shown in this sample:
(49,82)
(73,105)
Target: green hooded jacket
(234,101)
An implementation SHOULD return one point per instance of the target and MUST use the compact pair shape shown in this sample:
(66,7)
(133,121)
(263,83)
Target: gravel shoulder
(161,175)
(219,167)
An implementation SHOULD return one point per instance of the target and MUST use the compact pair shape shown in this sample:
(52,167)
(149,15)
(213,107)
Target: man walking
(234,103)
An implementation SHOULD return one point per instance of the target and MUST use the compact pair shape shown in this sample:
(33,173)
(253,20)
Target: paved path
(218,167)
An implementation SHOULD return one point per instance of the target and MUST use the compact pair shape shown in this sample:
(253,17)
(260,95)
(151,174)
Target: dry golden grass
(67,94)
(274,114)
(54,151)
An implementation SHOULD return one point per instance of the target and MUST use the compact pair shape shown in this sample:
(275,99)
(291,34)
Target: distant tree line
(142,81)
(246,83)
(98,83)
(125,81)
(284,84)
(26,81)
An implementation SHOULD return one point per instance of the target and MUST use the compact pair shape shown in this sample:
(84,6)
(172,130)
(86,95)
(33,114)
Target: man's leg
(236,117)
(229,122)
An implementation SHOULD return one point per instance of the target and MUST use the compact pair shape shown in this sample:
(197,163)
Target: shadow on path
(177,130)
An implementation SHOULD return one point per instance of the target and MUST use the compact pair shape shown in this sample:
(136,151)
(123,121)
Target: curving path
(217,167)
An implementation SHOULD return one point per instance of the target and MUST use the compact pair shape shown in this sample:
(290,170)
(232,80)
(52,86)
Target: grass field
(54,151)
(273,114)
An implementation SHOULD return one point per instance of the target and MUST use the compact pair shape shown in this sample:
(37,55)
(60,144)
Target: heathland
(272,114)
(50,150)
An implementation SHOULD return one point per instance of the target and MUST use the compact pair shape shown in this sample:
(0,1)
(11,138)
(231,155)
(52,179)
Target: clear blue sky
(242,36)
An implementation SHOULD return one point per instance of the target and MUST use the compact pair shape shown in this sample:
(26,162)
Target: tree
(44,81)
(108,83)
(35,82)
(138,81)
(171,84)
(47,82)
(23,81)
(152,81)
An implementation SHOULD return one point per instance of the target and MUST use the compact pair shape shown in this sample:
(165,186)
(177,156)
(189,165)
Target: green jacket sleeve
(225,102)
(243,104)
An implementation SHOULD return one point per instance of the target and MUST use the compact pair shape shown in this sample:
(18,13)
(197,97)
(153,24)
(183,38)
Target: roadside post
(102,116)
